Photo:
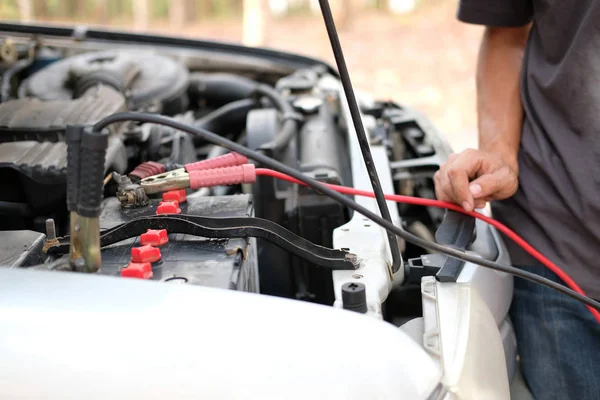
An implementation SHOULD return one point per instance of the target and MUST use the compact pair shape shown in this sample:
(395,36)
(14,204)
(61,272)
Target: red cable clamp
(146,169)
(223,176)
(154,237)
(144,254)
(168,207)
(175,195)
(227,160)
(137,270)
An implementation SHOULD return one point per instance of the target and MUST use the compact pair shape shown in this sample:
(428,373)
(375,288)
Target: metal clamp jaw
(173,180)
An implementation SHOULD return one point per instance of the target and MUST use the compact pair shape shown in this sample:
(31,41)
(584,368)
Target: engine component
(32,119)
(33,154)
(228,118)
(216,90)
(222,263)
(224,228)
(168,145)
(21,248)
(17,59)
(43,162)
(300,82)
(262,126)
(129,194)
(146,78)
(323,156)
(231,87)
(8,52)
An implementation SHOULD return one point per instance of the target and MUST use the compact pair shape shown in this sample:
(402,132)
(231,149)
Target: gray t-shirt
(557,206)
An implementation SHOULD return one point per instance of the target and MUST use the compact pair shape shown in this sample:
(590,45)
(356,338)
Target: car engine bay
(265,235)
(271,193)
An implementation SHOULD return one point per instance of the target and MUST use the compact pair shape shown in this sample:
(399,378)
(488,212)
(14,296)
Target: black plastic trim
(456,230)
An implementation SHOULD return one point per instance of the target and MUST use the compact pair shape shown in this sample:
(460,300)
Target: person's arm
(499,107)
(473,177)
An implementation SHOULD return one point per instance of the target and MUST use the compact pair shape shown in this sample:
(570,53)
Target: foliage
(122,10)
(9,10)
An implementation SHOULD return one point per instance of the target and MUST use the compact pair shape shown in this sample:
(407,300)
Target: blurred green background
(412,51)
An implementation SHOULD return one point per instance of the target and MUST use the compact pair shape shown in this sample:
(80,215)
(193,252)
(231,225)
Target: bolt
(50,229)
(51,239)
(354,297)
(353,258)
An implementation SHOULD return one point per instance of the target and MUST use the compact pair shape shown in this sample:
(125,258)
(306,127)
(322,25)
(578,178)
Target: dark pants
(558,341)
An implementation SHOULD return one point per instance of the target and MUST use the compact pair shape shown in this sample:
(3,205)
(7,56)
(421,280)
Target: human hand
(474,177)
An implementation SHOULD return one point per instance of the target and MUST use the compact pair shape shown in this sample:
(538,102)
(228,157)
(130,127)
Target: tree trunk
(343,11)
(177,13)
(190,10)
(41,9)
(256,13)
(101,11)
(204,9)
(25,10)
(141,14)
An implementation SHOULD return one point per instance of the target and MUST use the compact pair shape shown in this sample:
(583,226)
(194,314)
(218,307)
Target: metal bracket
(219,228)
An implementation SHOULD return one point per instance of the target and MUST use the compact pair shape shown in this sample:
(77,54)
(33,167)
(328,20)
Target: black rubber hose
(220,89)
(225,117)
(320,187)
(175,147)
(11,209)
(8,75)
(290,123)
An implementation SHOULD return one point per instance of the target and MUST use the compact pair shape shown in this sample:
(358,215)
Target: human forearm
(499,107)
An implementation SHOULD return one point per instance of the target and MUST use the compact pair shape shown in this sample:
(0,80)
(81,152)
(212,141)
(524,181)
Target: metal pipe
(75,253)
(90,243)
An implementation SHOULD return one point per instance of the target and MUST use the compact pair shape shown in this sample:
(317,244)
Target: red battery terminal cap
(168,207)
(175,195)
(154,237)
(137,270)
(145,254)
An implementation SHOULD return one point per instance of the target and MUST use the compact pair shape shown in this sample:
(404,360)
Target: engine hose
(227,89)
(225,117)
(220,89)
(10,208)
(8,75)
(290,123)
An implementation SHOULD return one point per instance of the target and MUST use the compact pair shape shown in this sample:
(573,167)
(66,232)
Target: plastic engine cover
(146,77)
(219,263)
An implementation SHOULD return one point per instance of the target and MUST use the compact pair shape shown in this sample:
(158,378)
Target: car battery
(219,263)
